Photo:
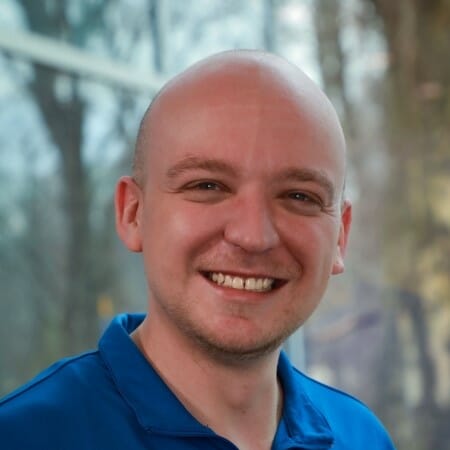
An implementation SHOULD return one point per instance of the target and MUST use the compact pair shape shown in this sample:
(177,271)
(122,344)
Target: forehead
(256,118)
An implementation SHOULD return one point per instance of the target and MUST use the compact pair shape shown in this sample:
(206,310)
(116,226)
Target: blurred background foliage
(66,134)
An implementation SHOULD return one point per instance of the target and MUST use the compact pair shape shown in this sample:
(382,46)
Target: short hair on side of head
(140,148)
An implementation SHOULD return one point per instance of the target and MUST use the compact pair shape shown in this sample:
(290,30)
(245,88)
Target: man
(237,204)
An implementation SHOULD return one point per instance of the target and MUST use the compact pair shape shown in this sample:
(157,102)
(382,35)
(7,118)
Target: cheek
(180,227)
(313,242)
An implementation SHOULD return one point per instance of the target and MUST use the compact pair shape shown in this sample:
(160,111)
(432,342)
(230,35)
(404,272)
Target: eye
(302,197)
(205,191)
(206,186)
(303,203)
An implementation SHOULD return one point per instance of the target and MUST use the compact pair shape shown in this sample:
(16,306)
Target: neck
(241,401)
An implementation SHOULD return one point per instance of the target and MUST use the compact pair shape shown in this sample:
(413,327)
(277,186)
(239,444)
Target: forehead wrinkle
(199,163)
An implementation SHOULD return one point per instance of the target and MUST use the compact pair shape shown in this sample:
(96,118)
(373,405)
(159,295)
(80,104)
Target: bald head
(226,79)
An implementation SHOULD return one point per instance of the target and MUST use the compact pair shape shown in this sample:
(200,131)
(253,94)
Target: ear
(346,220)
(128,205)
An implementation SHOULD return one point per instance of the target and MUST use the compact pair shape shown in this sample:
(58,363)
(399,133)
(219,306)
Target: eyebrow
(220,166)
(196,163)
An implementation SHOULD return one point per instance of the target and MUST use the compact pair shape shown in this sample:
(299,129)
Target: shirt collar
(305,424)
(156,407)
(159,410)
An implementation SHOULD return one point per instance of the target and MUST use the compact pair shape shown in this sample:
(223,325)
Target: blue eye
(303,203)
(205,191)
(207,186)
(300,196)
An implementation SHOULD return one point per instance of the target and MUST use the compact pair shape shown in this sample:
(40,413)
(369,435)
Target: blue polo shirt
(112,398)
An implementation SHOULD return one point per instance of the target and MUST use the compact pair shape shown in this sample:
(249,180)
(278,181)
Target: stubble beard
(221,351)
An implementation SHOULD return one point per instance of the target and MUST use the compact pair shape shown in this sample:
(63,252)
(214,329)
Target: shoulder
(48,405)
(56,379)
(330,399)
(353,424)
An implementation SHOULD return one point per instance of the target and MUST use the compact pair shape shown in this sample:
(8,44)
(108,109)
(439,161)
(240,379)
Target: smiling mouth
(252,284)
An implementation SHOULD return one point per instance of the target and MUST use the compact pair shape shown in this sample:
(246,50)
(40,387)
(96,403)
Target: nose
(250,224)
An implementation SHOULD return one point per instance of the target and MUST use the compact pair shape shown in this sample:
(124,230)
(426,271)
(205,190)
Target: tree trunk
(63,114)
(417,114)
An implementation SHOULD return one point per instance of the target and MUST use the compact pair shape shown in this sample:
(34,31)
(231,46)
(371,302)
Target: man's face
(240,218)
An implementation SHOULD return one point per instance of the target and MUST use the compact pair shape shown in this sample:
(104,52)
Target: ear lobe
(346,220)
(128,201)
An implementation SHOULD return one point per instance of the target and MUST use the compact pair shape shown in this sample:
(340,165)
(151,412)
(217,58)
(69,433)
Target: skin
(242,173)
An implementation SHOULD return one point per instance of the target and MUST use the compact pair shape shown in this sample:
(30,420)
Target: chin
(236,350)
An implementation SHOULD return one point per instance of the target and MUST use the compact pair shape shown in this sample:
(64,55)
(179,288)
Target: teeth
(249,284)
(238,283)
